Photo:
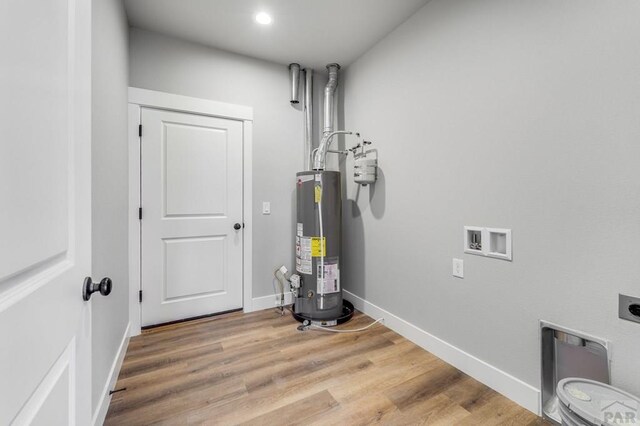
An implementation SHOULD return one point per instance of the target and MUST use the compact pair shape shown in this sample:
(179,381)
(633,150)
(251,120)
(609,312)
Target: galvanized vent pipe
(329,107)
(329,97)
(308,117)
(294,74)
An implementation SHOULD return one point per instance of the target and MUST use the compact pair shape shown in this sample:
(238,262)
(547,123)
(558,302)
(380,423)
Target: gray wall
(513,114)
(166,64)
(109,185)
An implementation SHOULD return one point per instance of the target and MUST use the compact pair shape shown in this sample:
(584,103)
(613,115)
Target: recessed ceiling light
(263,18)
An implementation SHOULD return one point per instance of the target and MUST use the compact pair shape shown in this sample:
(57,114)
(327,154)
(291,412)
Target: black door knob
(89,287)
(635,310)
(237,226)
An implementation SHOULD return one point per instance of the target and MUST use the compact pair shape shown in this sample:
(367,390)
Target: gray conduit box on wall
(569,353)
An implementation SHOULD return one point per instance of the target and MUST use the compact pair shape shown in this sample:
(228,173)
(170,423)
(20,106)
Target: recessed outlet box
(499,243)
(473,240)
(489,242)
(629,308)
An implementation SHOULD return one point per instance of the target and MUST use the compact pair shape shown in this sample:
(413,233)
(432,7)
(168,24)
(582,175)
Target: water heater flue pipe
(294,75)
(320,156)
(329,97)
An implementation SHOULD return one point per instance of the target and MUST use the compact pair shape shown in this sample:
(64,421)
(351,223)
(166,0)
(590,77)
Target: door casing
(139,98)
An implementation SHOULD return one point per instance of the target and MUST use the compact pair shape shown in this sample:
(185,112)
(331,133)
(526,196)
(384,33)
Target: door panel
(45,169)
(191,197)
(34,74)
(187,260)
(195,170)
(53,401)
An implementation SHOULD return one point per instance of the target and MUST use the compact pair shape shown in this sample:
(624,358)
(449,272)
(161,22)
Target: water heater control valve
(295,281)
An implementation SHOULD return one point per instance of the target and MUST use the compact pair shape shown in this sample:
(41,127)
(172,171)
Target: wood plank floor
(258,369)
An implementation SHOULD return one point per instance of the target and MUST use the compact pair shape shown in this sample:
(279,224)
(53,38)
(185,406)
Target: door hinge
(140,296)
(139,213)
(140,130)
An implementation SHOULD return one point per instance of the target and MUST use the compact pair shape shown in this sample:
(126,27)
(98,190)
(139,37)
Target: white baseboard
(266,302)
(513,388)
(105,399)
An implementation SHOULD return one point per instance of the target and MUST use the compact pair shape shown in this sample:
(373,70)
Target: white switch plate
(458,268)
(266,207)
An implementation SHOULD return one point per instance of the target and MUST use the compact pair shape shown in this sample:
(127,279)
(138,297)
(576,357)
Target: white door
(191,205)
(45,211)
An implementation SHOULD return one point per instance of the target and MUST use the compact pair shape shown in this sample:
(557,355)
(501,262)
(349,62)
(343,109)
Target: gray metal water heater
(318,234)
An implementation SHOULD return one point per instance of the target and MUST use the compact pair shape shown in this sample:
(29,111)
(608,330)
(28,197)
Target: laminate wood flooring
(258,369)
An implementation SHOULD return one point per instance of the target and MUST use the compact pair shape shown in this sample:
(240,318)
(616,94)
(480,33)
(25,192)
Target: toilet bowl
(585,402)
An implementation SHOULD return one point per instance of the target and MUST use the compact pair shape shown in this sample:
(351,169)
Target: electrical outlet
(458,268)
(266,207)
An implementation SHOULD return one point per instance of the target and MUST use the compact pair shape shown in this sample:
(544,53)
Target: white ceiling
(310,32)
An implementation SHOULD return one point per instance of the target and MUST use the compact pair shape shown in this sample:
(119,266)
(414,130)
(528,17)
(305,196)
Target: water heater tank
(318,235)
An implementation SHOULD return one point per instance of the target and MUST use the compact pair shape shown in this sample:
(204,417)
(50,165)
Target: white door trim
(169,101)
(139,98)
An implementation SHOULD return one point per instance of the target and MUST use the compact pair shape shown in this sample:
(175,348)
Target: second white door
(192,215)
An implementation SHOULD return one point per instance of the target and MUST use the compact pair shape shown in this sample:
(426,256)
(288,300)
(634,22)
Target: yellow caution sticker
(318,193)
(317,249)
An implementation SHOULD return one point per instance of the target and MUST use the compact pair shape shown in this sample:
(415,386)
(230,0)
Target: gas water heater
(318,235)
(316,285)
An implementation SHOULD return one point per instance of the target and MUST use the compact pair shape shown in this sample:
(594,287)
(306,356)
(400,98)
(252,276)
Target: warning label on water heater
(303,255)
(318,249)
(306,249)
(330,282)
